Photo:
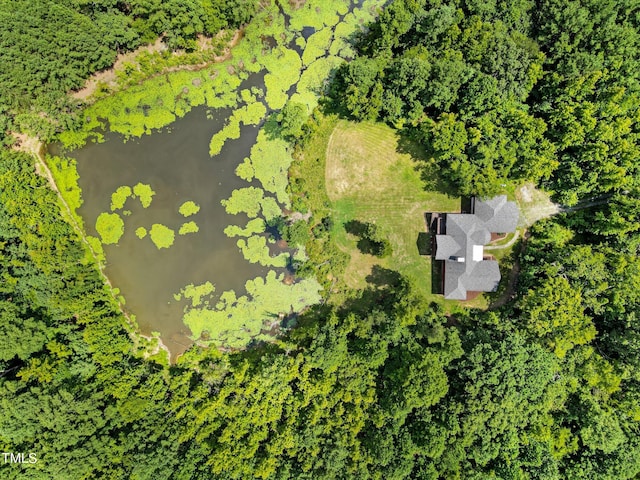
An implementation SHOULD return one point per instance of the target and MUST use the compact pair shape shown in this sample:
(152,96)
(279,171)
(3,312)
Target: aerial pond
(176,181)
(176,165)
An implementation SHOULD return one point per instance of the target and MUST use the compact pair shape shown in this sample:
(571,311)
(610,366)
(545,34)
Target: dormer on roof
(462,246)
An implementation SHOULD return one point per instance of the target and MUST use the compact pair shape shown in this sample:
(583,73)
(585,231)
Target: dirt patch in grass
(534,204)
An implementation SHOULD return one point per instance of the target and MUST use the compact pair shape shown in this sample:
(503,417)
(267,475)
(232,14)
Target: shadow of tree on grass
(383,277)
(426,166)
(370,239)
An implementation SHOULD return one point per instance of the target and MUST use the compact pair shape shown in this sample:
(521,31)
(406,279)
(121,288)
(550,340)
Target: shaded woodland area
(506,91)
(379,384)
(51,46)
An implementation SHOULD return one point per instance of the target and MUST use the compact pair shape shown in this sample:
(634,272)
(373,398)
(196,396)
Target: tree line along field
(379,382)
(368,180)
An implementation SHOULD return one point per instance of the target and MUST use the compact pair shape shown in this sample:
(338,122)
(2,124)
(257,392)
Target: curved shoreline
(36,148)
(109,76)
(156,67)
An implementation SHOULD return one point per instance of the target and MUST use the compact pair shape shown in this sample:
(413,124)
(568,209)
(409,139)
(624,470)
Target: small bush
(296,233)
(371,239)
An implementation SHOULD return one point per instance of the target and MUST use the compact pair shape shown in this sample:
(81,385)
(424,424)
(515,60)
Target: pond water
(175,162)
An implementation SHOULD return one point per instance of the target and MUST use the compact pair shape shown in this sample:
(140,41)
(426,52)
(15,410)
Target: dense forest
(51,46)
(543,91)
(380,384)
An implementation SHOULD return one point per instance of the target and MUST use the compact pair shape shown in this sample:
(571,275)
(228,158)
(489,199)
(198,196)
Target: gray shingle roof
(463,231)
(459,224)
(446,247)
(453,287)
(484,277)
(499,215)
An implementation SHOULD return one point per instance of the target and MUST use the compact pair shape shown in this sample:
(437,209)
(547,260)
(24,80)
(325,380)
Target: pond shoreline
(36,149)
(135,110)
(109,77)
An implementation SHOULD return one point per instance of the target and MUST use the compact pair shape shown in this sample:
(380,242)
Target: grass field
(372,176)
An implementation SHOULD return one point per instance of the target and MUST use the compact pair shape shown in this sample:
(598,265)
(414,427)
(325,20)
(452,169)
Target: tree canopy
(376,383)
(50,47)
(510,91)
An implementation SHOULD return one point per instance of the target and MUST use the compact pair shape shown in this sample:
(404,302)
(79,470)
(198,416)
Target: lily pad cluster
(110,226)
(295,71)
(234,320)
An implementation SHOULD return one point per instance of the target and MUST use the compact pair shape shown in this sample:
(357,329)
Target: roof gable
(498,214)
(465,269)
(446,247)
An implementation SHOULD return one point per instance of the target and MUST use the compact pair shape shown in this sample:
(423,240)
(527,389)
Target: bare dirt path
(512,280)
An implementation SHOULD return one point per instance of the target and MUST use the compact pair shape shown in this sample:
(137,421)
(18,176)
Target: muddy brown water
(176,163)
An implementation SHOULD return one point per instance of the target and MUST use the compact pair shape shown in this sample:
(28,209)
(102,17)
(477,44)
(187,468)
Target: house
(460,241)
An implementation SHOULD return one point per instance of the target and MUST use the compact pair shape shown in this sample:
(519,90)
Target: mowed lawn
(370,178)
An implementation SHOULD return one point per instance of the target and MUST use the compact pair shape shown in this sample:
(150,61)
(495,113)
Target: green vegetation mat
(161,236)
(377,382)
(238,320)
(119,197)
(141,232)
(189,227)
(189,208)
(110,227)
(142,109)
(144,193)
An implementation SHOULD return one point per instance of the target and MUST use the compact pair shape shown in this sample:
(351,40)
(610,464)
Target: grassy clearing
(371,176)
(309,196)
(307,173)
